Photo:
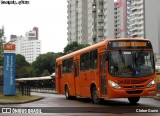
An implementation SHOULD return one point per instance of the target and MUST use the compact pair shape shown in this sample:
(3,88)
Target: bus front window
(131,63)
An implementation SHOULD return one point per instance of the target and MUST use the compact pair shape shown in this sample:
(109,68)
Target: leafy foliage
(22,67)
(20,61)
(74,47)
(45,73)
(45,62)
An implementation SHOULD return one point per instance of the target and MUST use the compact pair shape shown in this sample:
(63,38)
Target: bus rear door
(76,78)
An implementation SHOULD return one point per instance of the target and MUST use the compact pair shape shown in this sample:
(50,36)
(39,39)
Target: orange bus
(114,68)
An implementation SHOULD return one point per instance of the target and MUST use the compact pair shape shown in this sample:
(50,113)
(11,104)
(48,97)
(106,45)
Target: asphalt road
(54,104)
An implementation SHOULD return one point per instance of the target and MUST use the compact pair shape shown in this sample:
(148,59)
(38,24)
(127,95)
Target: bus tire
(133,100)
(67,93)
(94,95)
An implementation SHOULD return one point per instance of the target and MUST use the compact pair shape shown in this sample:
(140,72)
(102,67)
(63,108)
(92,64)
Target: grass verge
(18,99)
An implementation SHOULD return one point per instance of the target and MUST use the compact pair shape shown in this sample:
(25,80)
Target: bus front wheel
(95,98)
(67,93)
(133,100)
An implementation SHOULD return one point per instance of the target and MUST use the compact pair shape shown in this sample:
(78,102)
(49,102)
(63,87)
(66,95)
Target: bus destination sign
(129,44)
(132,44)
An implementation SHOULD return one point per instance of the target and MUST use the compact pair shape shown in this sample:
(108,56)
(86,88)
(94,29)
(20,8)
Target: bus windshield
(126,63)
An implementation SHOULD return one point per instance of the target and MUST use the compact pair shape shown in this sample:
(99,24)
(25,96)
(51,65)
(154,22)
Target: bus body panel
(134,87)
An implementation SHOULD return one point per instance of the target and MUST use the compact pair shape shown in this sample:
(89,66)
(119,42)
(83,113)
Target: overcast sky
(50,16)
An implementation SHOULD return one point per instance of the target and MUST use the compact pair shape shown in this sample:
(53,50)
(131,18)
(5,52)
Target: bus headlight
(152,83)
(114,85)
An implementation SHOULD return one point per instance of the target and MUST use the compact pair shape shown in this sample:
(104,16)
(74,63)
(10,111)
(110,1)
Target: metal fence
(1,89)
(42,89)
(26,90)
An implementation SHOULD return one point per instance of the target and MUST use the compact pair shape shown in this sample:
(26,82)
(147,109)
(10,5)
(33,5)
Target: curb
(157,97)
(44,92)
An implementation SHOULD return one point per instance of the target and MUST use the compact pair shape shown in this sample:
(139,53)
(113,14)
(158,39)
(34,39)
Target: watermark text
(14,2)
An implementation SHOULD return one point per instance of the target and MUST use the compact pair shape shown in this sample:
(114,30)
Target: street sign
(9,69)
(9,46)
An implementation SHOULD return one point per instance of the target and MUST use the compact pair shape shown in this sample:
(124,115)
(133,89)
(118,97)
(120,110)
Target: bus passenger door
(76,77)
(103,74)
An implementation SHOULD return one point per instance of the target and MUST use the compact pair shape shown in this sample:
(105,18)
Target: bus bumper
(132,92)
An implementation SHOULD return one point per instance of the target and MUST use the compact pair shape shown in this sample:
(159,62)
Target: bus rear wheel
(133,100)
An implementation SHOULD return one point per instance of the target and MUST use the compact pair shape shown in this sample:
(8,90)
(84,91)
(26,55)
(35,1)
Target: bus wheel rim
(95,96)
(67,93)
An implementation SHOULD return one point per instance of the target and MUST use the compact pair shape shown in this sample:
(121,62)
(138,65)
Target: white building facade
(90,21)
(135,20)
(28,46)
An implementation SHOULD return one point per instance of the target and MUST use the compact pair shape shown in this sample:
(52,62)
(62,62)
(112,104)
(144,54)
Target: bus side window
(93,59)
(85,61)
(67,66)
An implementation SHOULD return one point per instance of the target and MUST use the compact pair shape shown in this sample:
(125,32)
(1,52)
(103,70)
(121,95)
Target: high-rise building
(33,34)
(28,46)
(36,30)
(13,38)
(143,21)
(90,21)
(135,20)
(120,19)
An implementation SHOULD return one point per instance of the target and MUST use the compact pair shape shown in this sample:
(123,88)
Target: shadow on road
(114,102)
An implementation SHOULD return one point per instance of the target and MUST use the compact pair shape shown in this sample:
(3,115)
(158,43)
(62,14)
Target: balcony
(100,27)
(100,34)
(100,20)
(94,36)
(100,14)
(94,9)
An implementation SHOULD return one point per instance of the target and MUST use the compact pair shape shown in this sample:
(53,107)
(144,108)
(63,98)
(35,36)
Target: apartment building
(120,19)
(90,21)
(152,25)
(143,21)
(135,20)
(33,34)
(27,46)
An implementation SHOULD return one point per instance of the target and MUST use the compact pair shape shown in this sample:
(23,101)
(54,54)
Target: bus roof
(94,46)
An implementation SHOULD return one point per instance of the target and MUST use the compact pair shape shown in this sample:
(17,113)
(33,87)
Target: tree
(45,62)
(22,67)
(45,73)
(74,47)
(2,41)
(2,32)
(31,71)
(20,61)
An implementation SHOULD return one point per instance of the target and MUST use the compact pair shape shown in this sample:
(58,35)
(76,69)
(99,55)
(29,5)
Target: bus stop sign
(9,70)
